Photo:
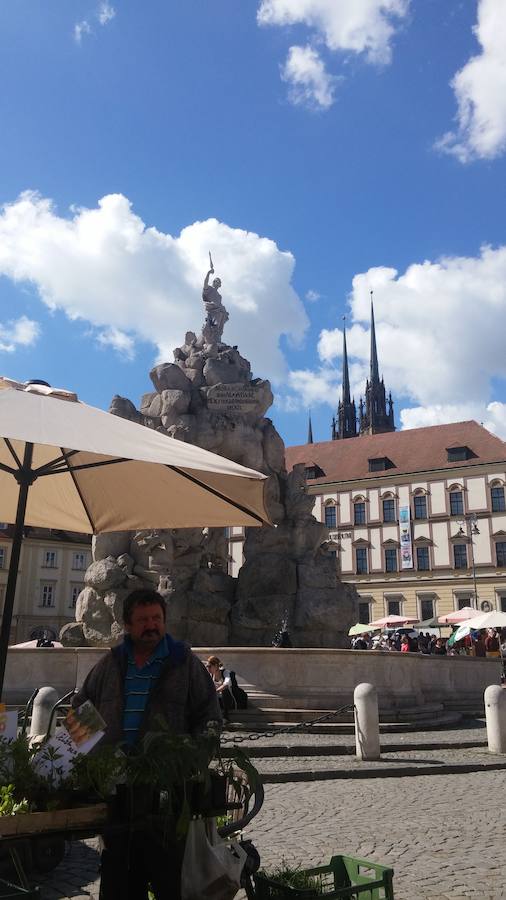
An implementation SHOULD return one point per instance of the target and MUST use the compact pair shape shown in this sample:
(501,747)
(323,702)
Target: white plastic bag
(211,866)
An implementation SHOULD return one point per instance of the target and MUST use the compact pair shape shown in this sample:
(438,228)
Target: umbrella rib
(8,469)
(61,470)
(55,464)
(216,493)
(13,453)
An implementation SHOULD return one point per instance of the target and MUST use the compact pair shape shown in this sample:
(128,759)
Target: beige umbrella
(67,465)
(458,615)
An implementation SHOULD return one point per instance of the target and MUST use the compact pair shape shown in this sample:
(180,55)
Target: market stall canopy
(391,620)
(492,619)
(458,616)
(359,628)
(67,465)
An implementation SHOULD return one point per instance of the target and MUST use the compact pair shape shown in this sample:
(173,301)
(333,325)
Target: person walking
(149,675)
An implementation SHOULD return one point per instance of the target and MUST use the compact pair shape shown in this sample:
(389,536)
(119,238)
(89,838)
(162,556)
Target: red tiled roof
(413,450)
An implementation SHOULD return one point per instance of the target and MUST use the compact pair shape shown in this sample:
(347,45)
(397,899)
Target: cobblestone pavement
(443,834)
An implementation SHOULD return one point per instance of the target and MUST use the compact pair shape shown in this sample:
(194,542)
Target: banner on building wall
(406,545)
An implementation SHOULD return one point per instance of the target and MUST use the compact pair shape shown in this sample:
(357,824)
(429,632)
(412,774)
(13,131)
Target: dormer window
(380,463)
(313,471)
(459,454)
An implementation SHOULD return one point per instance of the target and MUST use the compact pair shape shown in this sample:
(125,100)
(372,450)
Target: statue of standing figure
(217,315)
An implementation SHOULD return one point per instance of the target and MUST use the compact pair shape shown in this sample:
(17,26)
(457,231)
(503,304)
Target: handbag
(211,866)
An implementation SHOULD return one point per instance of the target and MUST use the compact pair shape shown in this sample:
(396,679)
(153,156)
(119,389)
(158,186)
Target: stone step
(429,723)
(388,714)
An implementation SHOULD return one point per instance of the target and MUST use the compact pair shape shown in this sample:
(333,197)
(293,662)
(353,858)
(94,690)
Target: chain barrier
(293,729)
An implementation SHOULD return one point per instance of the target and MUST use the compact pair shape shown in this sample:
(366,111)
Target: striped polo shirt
(138,685)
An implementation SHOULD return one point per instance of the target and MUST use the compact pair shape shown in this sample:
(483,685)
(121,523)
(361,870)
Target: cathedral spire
(309,429)
(346,374)
(374,353)
(375,419)
(346,412)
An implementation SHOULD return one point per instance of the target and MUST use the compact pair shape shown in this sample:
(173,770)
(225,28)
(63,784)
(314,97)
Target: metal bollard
(42,706)
(367,742)
(495,712)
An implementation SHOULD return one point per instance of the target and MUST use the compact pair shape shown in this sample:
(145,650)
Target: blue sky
(319,149)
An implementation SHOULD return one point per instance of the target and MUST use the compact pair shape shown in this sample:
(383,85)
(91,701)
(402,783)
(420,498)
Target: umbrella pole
(25,479)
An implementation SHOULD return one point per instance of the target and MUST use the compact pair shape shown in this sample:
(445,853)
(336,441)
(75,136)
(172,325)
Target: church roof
(410,451)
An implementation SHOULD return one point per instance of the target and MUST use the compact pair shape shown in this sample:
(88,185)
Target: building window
(330,516)
(458,454)
(380,464)
(389,510)
(79,561)
(500,551)
(361,560)
(464,599)
(456,503)
(391,560)
(2,557)
(426,609)
(47,594)
(75,590)
(364,613)
(359,516)
(420,506)
(502,604)
(498,503)
(423,562)
(460,556)
(50,559)
(393,607)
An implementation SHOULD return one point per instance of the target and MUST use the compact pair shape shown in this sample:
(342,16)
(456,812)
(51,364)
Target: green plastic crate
(345,876)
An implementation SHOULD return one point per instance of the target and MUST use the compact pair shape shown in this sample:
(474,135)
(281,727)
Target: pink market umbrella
(458,615)
(388,621)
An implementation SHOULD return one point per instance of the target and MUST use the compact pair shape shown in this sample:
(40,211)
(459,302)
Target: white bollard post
(495,712)
(367,742)
(42,706)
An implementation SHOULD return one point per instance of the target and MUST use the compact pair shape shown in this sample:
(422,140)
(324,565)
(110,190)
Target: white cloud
(309,82)
(80,29)
(359,26)
(440,332)
(106,267)
(22,332)
(480,91)
(105,13)
(312,296)
(122,343)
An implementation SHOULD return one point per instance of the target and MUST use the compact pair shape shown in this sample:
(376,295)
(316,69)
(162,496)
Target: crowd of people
(489,642)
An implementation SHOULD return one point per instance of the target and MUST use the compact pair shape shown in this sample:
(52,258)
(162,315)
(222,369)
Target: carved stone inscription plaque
(239,398)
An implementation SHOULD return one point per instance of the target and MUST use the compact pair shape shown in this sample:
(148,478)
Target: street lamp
(468,528)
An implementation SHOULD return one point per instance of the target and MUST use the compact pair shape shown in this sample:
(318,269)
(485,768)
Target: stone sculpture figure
(209,397)
(217,315)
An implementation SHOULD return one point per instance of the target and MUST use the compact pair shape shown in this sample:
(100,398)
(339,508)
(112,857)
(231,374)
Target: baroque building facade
(416,519)
(51,577)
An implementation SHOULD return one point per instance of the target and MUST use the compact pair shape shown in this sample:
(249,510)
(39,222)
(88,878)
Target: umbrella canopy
(392,620)
(67,465)
(458,616)
(428,623)
(359,628)
(492,619)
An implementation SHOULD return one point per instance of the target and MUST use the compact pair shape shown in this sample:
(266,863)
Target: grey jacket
(184,694)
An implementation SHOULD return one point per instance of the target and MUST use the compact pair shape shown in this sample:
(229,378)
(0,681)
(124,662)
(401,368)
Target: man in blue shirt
(147,676)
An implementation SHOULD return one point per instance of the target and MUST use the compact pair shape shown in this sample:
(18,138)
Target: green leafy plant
(294,877)
(9,806)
